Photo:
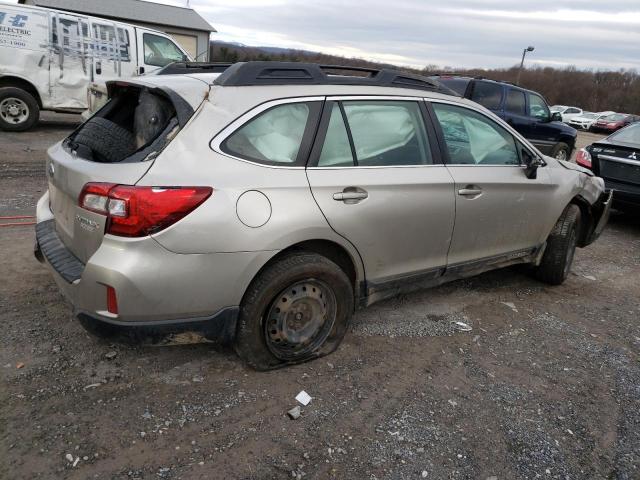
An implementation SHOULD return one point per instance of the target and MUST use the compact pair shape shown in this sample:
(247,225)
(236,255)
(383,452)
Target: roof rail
(297,73)
(181,68)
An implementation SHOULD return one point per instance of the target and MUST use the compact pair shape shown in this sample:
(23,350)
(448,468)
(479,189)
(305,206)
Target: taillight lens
(583,158)
(134,211)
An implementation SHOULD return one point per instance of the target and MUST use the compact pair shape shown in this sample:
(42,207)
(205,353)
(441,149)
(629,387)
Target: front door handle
(351,195)
(470,191)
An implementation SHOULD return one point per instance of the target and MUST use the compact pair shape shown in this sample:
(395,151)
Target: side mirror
(531,164)
(556,117)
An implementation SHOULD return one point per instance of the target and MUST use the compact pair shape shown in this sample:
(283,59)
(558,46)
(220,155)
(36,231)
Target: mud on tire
(108,141)
(561,245)
(254,341)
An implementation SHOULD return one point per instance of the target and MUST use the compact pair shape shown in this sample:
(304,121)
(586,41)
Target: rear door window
(515,102)
(487,94)
(274,137)
(376,133)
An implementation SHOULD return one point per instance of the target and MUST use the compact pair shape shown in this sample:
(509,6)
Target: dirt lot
(546,385)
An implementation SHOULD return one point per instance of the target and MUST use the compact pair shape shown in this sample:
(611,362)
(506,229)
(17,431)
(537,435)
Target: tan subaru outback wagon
(264,204)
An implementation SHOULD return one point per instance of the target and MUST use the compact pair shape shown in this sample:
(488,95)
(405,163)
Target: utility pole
(524,52)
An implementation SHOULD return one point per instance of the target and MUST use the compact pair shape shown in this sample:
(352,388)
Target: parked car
(526,111)
(49,58)
(614,122)
(587,119)
(567,113)
(617,160)
(266,215)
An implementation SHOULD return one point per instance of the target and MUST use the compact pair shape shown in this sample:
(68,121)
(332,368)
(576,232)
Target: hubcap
(300,319)
(13,110)
(561,155)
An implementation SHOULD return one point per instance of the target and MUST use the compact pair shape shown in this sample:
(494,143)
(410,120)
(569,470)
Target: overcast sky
(599,34)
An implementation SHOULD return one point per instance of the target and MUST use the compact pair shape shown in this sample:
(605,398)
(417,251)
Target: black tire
(561,151)
(561,246)
(255,342)
(27,111)
(108,141)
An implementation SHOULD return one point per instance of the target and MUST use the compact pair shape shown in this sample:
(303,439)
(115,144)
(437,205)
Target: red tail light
(138,211)
(583,158)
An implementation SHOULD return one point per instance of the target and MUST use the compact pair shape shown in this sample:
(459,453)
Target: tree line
(592,90)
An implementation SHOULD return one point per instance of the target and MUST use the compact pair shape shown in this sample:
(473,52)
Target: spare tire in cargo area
(108,141)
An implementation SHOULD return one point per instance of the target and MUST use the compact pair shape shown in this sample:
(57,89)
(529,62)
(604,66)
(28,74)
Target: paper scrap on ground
(304,398)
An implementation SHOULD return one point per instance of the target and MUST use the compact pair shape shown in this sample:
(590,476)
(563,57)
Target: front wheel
(561,151)
(296,310)
(561,246)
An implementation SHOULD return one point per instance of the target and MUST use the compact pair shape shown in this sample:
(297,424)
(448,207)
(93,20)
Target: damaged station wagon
(265,204)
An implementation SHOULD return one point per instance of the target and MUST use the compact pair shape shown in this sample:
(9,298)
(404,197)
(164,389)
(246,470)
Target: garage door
(189,43)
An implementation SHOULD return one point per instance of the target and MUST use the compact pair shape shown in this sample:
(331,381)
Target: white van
(59,61)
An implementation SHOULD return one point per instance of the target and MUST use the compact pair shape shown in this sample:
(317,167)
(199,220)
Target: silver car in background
(264,205)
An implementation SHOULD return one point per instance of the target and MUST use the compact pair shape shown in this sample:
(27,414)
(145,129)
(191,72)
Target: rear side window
(273,137)
(473,139)
(458,85)
(516,102)
(487,94)
(376,133)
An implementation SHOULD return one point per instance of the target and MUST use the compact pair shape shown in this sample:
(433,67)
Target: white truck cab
(60,61)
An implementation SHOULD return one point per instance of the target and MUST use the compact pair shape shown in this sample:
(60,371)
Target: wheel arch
(348,261)
(21,83)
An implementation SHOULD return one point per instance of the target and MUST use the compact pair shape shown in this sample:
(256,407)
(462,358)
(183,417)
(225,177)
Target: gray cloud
(456,33)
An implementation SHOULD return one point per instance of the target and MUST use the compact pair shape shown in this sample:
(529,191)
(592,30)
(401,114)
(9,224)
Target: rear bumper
(220,327)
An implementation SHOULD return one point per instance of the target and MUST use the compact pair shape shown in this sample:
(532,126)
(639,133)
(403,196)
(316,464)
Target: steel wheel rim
(13,110)
(300,319)
(561,155)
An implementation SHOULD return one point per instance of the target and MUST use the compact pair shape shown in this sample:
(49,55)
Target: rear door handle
(350,195)
(470,192)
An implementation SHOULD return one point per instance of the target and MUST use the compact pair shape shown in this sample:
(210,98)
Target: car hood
(564,128)
(574,166)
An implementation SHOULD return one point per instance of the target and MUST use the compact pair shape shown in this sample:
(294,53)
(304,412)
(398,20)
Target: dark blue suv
(524,110)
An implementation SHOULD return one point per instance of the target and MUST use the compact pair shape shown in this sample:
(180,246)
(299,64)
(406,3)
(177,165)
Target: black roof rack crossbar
(296,73)
(181,68)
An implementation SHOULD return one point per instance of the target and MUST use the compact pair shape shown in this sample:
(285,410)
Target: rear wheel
(561,151)
(561,246)
(19,110)
(297,309)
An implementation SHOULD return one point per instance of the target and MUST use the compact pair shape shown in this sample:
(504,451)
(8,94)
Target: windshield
(631,134)
(616,117)
(589,115)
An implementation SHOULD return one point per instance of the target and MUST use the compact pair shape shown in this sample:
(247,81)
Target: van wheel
(561,151)
(108,141)
(19,110)
(561,246)
(296,310)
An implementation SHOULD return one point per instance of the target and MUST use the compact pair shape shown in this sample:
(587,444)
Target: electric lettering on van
(13,25)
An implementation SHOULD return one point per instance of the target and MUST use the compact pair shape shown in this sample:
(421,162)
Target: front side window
(273,137)
(473,139)
(387,133)
(160,51)
(487,94)
(516,102)
(538,108)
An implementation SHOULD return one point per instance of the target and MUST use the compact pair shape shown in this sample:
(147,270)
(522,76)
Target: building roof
(131,10)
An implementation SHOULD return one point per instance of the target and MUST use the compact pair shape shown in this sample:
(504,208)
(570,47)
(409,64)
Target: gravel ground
(545,385)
